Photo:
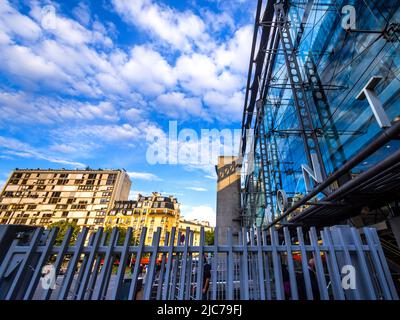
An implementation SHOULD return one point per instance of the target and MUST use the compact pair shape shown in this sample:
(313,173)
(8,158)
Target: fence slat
(189,269)
(152,265)
(292,273)
(122,264)
(245,271)
(60,258)
(161,275)
(215,266)
(182,272)
(230,266)
(319,267)
(333,266)
(175,271)
(260,265)
(200,269)
(280,295)
(135,274)
(348,261)
(95,272)
(267,268)
(385,267)
(38,268)
(376,261)
(82,270)
(12,291)
(169,264)
(89,264)
(63,294)
(363,264)
(304,263)
(107,264)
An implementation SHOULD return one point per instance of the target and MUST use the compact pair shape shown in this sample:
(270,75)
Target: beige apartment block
(41,197)
(153,211)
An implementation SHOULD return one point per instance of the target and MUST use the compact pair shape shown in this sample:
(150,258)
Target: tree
(63,228)
(122,234)
(209,238)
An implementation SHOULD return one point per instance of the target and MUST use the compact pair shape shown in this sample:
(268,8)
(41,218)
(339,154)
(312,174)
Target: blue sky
(88,86)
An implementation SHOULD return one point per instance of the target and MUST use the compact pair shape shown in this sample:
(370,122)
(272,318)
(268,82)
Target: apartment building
(41,197)
(152,212)
(146,211)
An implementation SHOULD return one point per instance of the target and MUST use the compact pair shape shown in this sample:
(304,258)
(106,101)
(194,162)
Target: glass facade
(335,65)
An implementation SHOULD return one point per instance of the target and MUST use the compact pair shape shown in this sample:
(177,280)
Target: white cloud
(20,107)
(223,104)
(203,212)
(16,24)
(80,60)
(235,53)
(148,71)
(199,189)
(174,27)
(143,176)
(21,149)
(177,105)
(82,13)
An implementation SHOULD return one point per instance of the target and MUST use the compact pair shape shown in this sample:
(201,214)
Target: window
(64,175)
(65,214)
(90,182)
(111,179)
(78,207)
(32,206)
(18,206)
(86,188)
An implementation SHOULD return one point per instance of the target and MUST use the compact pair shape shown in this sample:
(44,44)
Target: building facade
(151,212)
(228,198)
(146,211)
(42,197)
(195,226)
(320,129)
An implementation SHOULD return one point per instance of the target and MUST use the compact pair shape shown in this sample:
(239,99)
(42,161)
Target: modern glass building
(323,103)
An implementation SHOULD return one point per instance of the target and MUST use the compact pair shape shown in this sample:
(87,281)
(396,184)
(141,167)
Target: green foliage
(209,238)
(63,228)
(122,235)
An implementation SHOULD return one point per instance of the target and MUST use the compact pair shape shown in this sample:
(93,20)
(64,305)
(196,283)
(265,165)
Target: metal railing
(336,263)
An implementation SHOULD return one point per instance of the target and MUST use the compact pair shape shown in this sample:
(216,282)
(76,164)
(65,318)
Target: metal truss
(276,68)
(303,109)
